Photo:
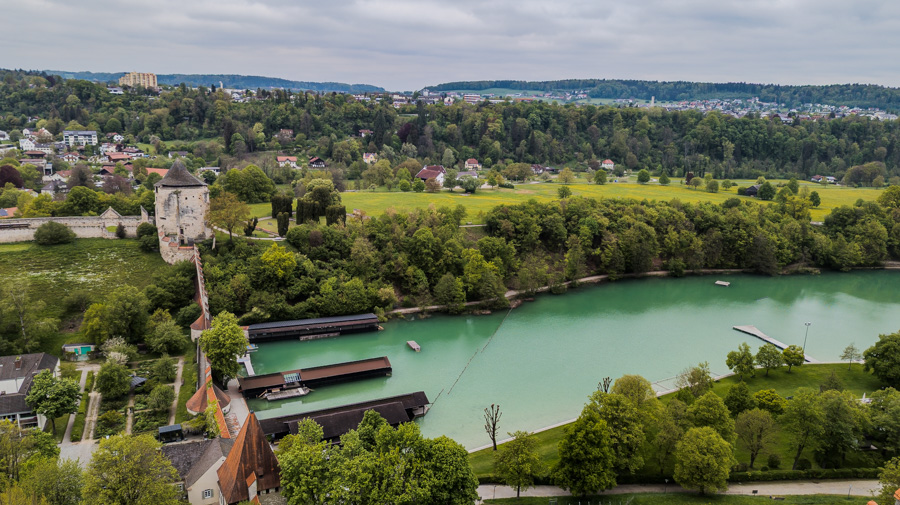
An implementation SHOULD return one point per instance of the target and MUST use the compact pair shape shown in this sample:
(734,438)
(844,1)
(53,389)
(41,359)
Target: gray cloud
(407,44)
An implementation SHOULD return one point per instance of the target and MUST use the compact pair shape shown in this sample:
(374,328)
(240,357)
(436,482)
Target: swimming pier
(753,330)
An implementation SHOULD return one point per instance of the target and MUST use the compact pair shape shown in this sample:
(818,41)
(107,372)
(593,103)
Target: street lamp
(804,338)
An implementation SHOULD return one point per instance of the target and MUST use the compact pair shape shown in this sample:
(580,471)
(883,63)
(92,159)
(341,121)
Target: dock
(723,283)
(413,345)
(311,329)
(258,385)
(285,394)
(245,360)
(753,330)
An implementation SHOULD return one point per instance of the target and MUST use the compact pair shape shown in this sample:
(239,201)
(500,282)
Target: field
(94,266)
(376,202)
(785,383)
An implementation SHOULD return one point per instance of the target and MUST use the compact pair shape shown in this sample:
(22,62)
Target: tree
(625,425)
(130,470)
(741,361)
(563,192)
(128,311)
(163,369)
(113,380)
(755,430)
(640,391)
(883,359)
(889,478)
(566,176)
(643,176)
(51,396)
(768,356)
(24,317)
(709,410)
(222,344)
(307,466)
(418,185)
(586,457)
(851,353)
(491,420)
(712,187)
(449,292)
(518,463)
(770,400)
(284,222)
(703,461)
(803,419)
(95,325)
(600,177)
(664,179)
(59,481)
(166,337)
(766,191)
(844,420)
(815,199)
(793,356)
(469,184)
(9,175)
(53,233)
(228,212)
(738,399)
(161,398)
(696,379)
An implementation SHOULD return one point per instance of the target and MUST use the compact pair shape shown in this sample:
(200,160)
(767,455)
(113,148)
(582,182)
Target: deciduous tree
(517,462)
(793,356)
(803,418)
(586,457)
(222,344)
(851,353)
(741,361)
(228,212)
(755,431)
(52,396)
(703,461)
(883,359)
(130,470)
(769,357)
(491,421)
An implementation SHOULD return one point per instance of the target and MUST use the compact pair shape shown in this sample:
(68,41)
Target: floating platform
(339,420)
(311,329)
(259,385)
(753,330)
(285,394)
(413,345)
(723,283)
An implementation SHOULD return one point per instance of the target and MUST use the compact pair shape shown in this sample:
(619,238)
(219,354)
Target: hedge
(756,476)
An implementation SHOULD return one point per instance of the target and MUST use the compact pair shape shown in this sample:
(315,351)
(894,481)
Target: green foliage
(600,177)
(128,312)
(59,481)
(697,380)
(883,359)
(755,431)
(250,184)
(664,179)
(643,176)
(626,427)
(770,400)
(113,380)
(469,184)
(51,396)
(517,463)
(890,482)
(742,361)
(164,369)
(703,461)
(738,399)
(793,356)
(803,419)
(53,233)
(222,344)
(166,337)
(586,456)
(710,411)
(450,293)
(769,357)
(130,470)
(161,398)
(564,192)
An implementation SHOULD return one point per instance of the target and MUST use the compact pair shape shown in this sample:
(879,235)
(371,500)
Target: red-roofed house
(161,171)
(251,468)
(363,133)
(472,164)
(287,161)
(370,158)
(435,172)
(316,162)
(71,157)
(117,157)
(608,165)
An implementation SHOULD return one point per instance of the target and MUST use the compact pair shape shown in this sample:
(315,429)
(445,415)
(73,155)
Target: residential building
(473,99)
(4,135)
(370,158)
(26,144)
(608,165)
(215,170)
(752,190)
(436,172)
(78,352)
(197,464)
(71,157)
(286,161)
(316,162)
(16,375)
(115,91)
(472,164)
(54,188)
(251,469)
(79,137)
(135,79)
(8,212)
(363,133)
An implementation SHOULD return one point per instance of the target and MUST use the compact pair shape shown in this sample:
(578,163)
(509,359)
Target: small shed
(137,381)
(172,433)
(752,190)
(78,352)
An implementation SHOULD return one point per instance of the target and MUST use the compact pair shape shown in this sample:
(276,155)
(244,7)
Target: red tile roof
(281,159)
(430,171)
(251,454)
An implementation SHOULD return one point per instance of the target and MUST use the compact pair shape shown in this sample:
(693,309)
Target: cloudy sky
(408,44)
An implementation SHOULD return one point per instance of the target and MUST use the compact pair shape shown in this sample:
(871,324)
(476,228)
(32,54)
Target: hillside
(853,95)
(227,80)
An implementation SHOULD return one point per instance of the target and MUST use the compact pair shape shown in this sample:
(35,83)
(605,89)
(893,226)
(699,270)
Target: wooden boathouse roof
(319,373)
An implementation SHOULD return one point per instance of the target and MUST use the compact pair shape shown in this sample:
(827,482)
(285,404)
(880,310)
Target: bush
(773,461)
(742,191)
(507,185)
(188,314)
(110,423)
(120,231)
(52,233)
(804,464)
(147,236)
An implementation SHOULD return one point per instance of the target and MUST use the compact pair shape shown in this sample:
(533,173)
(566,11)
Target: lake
(540,361)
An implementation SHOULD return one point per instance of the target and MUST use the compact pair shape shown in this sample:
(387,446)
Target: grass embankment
(78,425)
(680,498)
(785,383)
(94,266)
(189,386)
(376,202)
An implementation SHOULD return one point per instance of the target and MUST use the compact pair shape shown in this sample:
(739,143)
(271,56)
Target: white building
(16,375)
(79,137)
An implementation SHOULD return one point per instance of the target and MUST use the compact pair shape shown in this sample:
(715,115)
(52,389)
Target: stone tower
(182,201)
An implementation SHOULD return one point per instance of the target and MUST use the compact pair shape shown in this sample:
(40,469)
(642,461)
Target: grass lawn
(785,383)
(185,391)
(375,203)
(678,499)
(95,266)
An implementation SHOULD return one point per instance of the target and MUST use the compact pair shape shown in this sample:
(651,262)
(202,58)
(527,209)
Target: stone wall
(20,230)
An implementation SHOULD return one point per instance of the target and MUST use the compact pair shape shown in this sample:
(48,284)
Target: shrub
(52,233)
(742,191)
(120,231)
(804,464)
(188,314)
(773,461)
(109,423)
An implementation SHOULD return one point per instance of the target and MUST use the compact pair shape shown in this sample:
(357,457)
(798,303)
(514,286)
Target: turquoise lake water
(540,361)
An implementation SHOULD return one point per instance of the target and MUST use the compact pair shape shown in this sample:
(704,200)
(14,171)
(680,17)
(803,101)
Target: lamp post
(804,338)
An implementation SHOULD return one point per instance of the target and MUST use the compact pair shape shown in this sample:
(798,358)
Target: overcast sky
(409,44)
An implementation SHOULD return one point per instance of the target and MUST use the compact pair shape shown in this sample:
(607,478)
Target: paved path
(90,420)
(174,408)
(238,406)
(835,487)
(129,414)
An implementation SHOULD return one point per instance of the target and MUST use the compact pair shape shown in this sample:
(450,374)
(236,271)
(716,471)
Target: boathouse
(337,421)
(311,329)
(253,387)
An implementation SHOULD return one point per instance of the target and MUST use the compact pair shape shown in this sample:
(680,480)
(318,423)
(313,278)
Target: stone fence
(20,230)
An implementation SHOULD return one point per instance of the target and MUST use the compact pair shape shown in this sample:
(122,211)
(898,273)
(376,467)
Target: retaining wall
(20,230)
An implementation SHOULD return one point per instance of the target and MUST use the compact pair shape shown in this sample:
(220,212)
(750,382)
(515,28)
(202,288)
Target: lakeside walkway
(753,330)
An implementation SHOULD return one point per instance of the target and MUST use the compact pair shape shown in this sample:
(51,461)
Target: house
(55,187)
(472,164)
(80,137)
(38,163)
(71,157)
(316,162)
(286,161)
(467,173)
(608,165)
(4,135)
(251,469)
(26,144)
(34,154)
(436,172)
(215,170)
(831,179)
(159,171)
(197,464)
(115,91)
(363,133)
(8,212)
(286,132)
(16,374)
(58,176)
(816,178)
(44,148)
(117,157)
(370,158)
(78,352)
(537,169)
(752,190)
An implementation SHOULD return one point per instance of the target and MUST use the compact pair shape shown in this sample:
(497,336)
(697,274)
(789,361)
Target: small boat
(282,394)
(413,345)
(723,283)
